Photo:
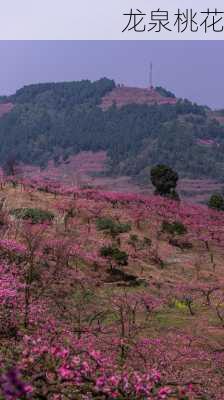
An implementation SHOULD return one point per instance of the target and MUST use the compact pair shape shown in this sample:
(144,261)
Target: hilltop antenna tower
(150,76)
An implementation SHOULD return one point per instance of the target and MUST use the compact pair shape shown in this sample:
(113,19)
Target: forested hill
(54,120)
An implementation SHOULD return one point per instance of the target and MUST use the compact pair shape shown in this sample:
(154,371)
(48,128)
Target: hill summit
(123,95)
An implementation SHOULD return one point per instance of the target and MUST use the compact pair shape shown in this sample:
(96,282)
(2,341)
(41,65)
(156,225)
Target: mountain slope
(150,306)
(56,120)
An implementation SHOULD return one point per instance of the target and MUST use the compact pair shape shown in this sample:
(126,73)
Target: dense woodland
(55,120)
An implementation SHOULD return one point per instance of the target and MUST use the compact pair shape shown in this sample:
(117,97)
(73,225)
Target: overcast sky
(192,69)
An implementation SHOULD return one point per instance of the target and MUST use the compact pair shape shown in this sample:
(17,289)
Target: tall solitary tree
(216,201)
(165,180)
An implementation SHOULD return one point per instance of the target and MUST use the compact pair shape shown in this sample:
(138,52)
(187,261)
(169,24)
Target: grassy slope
(179,265)
(181,270)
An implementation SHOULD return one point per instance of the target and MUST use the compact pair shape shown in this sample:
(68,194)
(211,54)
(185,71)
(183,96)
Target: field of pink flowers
(108,296)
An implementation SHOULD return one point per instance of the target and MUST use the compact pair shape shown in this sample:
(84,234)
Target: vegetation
(36,215)
(84,315)
(55,120)
(164,92)
(174,228)
(165,181)
(112,227)
(114,254)
(93,307)
(216,201)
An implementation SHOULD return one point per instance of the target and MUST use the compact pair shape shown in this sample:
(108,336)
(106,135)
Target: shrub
(216,201)
(133,238)
(36,215)
(180,305)
(114,253)
(174,228)
(112,227)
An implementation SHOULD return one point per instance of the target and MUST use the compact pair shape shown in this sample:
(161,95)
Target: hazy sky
(192,69)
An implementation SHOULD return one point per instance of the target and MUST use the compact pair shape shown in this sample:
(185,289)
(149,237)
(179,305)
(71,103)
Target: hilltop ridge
(123,95)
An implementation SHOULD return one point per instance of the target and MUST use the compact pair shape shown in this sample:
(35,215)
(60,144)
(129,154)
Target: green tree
(112,227)
(114,254)
(174,228)
(165,180)
(216,201)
